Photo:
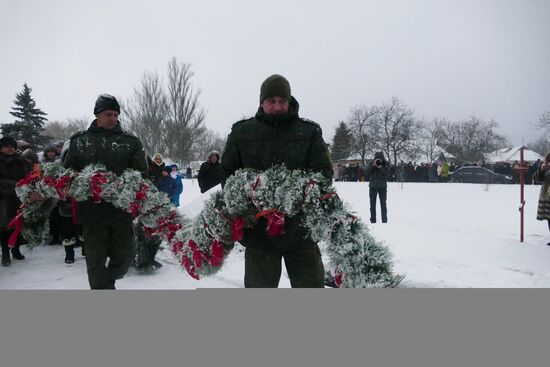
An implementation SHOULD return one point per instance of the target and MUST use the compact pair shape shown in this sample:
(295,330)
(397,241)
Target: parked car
(478,175)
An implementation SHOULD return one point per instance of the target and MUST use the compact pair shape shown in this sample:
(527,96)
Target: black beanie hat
(8,141)
(106,102)
(275,86)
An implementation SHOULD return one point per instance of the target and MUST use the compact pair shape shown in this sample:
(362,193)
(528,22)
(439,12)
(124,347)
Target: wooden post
(522,169)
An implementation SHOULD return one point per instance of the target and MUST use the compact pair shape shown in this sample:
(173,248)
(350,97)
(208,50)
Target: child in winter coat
(176,176)
(166,183)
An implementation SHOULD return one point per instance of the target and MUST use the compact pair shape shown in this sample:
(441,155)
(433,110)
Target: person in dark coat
(277,135)
(108,232)
(148,246)
(210,172)
(156,165)
(13,168)
(378,185)
(543,176)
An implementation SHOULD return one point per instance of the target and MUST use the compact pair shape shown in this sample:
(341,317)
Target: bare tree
(206,143)
(60,131)
(540,145)
(361,122)
(544,121)
(186,118)
(468,140)
(147,113)
(395,131)
(431,134)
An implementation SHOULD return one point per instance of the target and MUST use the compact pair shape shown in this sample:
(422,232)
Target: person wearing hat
(378,171)
(166,183)
(108,232)
(156,165)
(278,135)
(50,154)
(13,167)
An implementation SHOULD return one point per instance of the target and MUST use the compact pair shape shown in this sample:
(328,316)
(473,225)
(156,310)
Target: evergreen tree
(341,143)
(30,120)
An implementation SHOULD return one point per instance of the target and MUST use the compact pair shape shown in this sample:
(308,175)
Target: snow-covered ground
(441,235)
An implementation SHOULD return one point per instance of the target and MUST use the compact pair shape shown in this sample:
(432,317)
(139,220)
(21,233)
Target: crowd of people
(437,171)
(110,241)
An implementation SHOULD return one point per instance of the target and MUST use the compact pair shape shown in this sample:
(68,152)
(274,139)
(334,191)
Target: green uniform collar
(96,129)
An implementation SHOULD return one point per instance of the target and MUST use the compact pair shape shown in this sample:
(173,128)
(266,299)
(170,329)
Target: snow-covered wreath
(357,259)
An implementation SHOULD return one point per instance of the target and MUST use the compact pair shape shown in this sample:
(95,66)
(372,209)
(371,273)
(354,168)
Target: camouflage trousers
(302,261)
(108,234)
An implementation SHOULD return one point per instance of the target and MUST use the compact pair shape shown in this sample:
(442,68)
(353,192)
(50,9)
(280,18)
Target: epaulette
(78,134)
(310,122)
(129,134)
(243,120)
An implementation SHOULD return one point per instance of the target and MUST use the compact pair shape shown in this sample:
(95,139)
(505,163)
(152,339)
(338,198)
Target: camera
(378,162)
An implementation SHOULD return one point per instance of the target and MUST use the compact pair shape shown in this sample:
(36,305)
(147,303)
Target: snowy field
(441,235)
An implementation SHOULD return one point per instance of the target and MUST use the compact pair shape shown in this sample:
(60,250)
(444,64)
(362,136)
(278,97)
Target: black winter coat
(378,177)
(210,174)
(261,142)
(12,169)
(114,148)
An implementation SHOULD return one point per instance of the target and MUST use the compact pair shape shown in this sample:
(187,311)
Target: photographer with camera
(378,171)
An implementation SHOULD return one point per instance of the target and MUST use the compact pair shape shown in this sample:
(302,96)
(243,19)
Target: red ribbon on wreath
(275,221)
(140,196)
(338,275)
(59,184)
(327,196)
(73,207)
(16,222)
(237,225)
(98,179)
(196,254)
(309,187)
(177,247)
(188,265)
(217,254)
(34,175)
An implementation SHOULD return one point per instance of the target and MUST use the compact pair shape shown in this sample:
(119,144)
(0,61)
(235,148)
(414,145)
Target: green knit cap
(275,86)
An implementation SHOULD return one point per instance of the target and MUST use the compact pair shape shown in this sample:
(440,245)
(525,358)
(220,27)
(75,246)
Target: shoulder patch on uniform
(78,134)
(129,134)
(310,122)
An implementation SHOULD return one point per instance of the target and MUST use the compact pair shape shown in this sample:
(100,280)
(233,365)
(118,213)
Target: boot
(6,256)
(69,254)
(16,253)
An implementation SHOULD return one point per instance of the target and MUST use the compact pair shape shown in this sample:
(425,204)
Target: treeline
(394,129)
(165,113)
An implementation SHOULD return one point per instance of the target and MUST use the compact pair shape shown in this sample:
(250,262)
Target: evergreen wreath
(358,260)
(128,192)
(201,245)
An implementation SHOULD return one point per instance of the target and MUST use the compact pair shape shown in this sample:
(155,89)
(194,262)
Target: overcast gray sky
(443,58)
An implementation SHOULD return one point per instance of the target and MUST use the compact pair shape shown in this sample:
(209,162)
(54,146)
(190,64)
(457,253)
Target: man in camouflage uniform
(108,232)
(277,135)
